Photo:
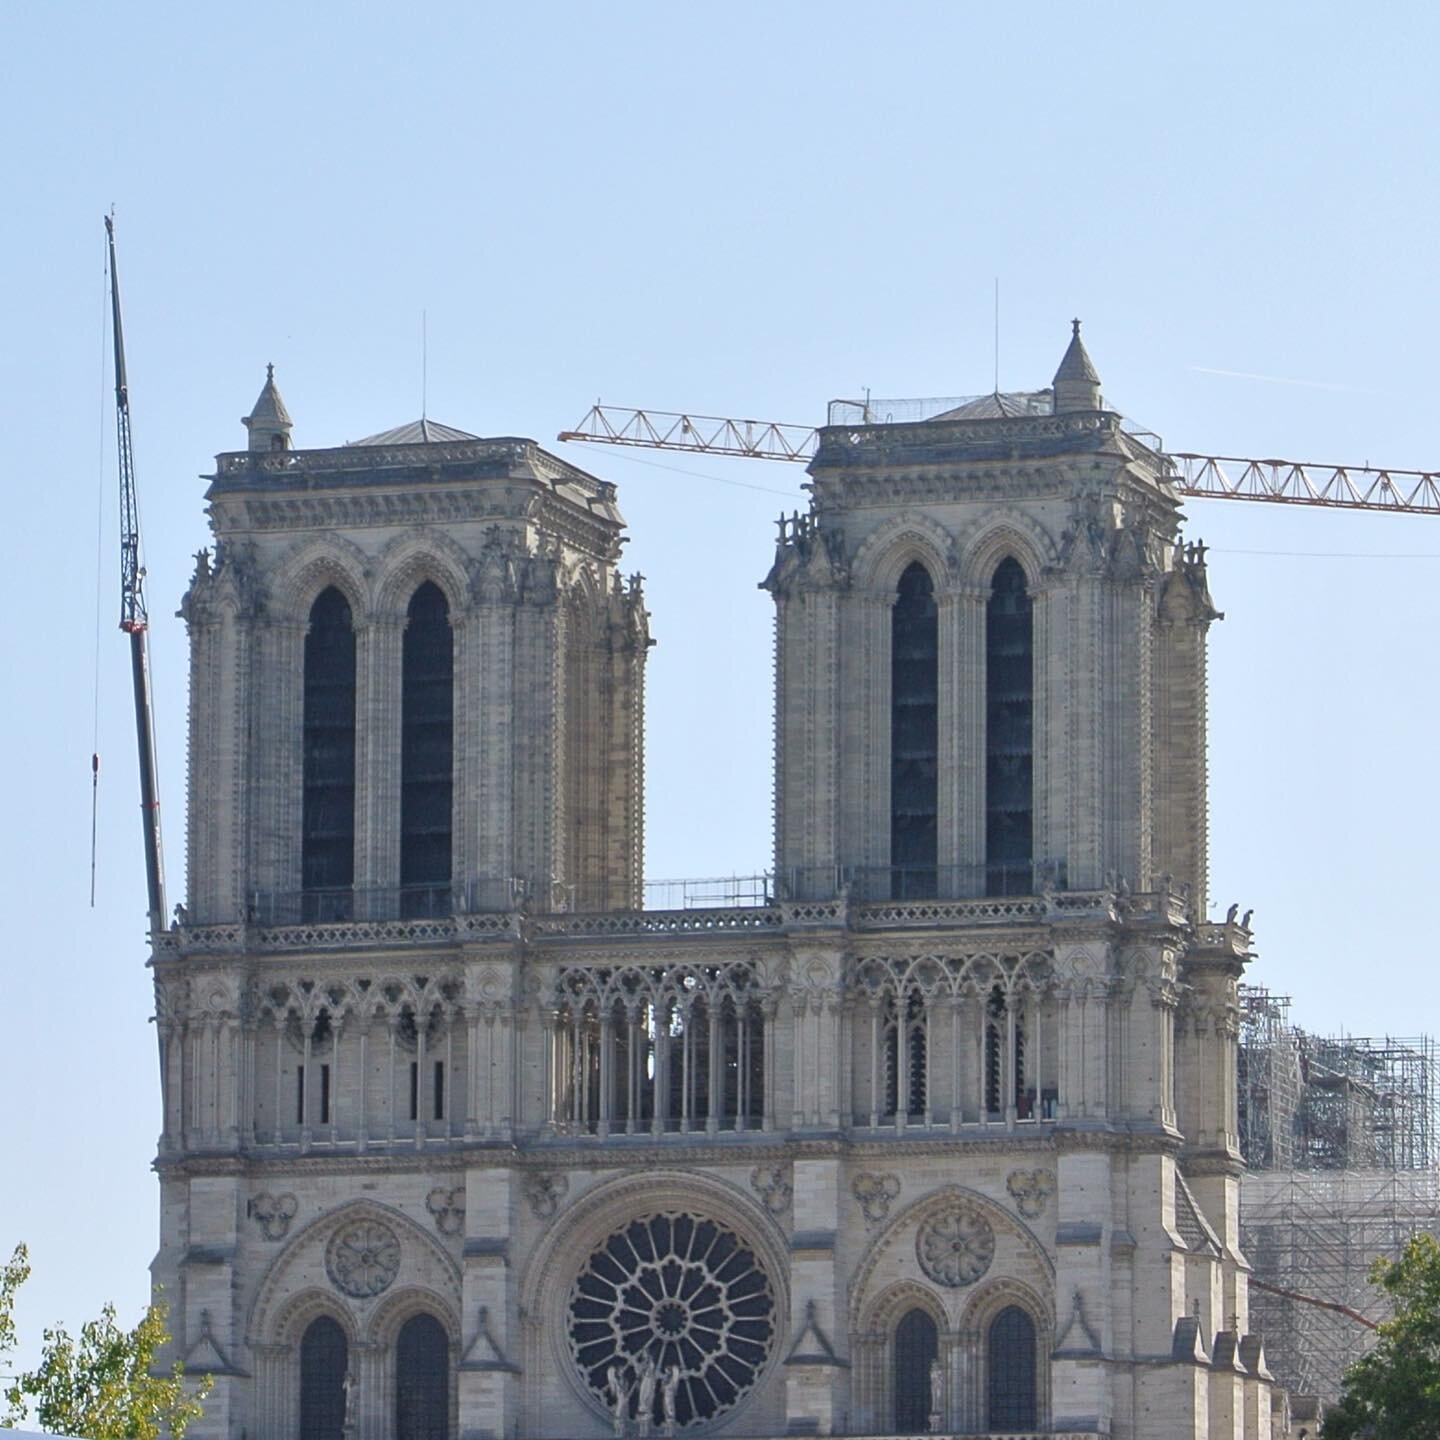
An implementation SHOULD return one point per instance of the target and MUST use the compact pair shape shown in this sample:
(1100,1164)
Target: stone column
(378,648)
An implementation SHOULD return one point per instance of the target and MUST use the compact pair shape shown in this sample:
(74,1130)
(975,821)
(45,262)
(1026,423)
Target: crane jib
(134,620)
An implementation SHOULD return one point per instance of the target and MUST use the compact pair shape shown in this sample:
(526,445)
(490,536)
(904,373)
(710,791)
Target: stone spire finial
(269,422)
(1077,382)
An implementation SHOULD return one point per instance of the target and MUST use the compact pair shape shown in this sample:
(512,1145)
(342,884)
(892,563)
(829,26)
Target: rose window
(363,1258)
(676,1313)
(955,1247)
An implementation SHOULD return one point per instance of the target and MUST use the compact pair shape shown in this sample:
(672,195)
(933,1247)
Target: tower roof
(417,432)
(1077,364)
(270,408)
(269,422)
(1077,381)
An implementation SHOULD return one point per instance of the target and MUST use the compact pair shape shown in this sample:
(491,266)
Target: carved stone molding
(774,1190)
(874,1192)
(1030,1189)
(448,1207)
(363,1258)
(273,1214)
(545,1189)
(955,1246)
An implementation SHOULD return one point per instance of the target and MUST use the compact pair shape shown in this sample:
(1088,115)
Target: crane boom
(134,619)
(1215,477)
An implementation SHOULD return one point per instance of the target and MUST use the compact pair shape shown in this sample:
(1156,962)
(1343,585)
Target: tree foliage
(100,1383)
(1393,1392)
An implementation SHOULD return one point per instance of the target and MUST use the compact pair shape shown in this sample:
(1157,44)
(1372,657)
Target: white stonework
(805,1125)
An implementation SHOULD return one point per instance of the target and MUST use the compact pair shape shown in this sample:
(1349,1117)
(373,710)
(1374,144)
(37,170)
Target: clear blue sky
(743,209)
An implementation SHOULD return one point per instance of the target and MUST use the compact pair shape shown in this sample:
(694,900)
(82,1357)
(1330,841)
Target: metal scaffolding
(1340,1134)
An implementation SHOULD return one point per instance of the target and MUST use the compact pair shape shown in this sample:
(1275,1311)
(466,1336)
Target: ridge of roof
(423,431)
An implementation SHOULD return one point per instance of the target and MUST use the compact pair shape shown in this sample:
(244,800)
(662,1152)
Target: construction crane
(134,619)
(1218,477)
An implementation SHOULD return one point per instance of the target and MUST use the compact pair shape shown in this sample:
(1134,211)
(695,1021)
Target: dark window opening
(427,719)
(914,735)
(414,1090)
(324,1361)
(324,1094)
(299,1094)
(916,1347)
(994,1048)
(910,1034)
(422,1380)
(1011,1380)
(439,1089)
(1009,739)
(327,846)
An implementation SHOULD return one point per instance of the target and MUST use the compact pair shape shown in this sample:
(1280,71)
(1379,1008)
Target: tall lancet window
(327,845)
(427,754)
(914,734)
(1009,734)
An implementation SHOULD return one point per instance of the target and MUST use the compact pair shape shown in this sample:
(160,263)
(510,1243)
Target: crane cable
(99,571)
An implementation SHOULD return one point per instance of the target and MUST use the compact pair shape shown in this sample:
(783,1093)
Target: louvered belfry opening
(324,1360)
(427,754)
(327,847)
(914,735)
(917,1343)
(422,1380)
(1011,1398)
(1009,733)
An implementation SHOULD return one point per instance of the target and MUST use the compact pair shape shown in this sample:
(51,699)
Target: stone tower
(512,766)
(460,1142)
(990,656)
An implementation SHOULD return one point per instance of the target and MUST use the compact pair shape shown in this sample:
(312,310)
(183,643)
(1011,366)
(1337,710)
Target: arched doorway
(422,1380)
(324,1362)
(1010,1383)
(917,1343)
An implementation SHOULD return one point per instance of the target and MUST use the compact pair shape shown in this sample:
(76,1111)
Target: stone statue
(645,1412)
(669,1392)
(937,1395)
(347,1390)
(619,1398)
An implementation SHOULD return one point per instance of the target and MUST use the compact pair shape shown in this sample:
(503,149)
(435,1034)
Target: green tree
(1393,1392)
(99,1384)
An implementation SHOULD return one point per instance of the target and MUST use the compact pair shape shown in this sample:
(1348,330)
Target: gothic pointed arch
(327,830)
(914,734)
(312,565)
(1006,533)
(423,1379)
(1009,731)
(662,1227)
(914,1350)
(891,548)
(1017,1254)
(1014,1323)
(324,1370)
(427,753)
(412,559)
(365,1250)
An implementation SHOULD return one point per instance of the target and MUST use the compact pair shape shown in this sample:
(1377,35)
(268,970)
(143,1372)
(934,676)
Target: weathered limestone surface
(942,1114)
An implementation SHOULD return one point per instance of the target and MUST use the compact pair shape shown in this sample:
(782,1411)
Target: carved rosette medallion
(363,1258)
(956,1246)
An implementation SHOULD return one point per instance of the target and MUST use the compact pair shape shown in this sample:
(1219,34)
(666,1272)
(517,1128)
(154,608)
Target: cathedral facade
(459,1140)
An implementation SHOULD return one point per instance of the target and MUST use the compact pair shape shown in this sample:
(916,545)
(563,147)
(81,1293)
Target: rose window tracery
(956,1246)
(676,1309)
(363,1257)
